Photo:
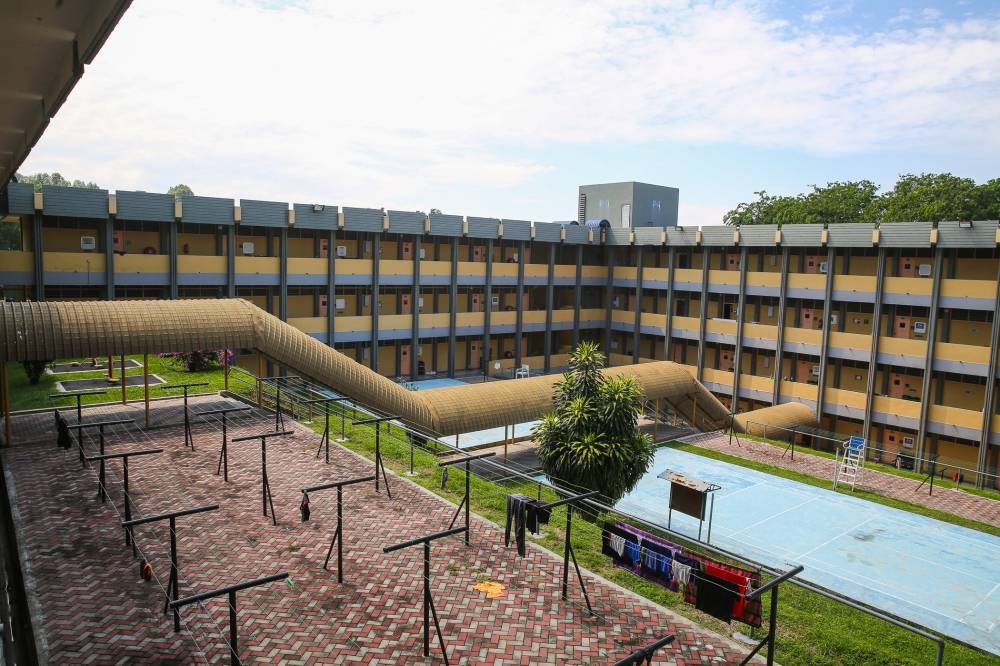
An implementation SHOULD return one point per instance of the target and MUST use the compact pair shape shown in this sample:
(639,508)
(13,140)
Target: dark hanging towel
(516,510)
(715,596)
(538,514)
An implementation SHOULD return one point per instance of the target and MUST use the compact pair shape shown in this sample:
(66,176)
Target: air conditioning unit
(248,249)
(340,304)
(420,303)
(824,266)
(834,319)
(920,327)
(495,300)
(908,442)
(515,257)
(341,250)
(423,253)
(924,270)
(815,371)
(88,243)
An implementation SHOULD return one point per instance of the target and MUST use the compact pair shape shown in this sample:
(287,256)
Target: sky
(503,108)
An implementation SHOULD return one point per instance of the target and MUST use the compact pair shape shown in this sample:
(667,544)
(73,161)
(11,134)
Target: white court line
(981,602)
(843,533)
(775,515)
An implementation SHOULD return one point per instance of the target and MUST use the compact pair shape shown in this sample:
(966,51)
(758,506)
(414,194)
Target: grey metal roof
(648,235)
(905,234)
(850,235)
(717,236)
(979,234)
(147,206)
(263,213)
(446,225)
(761,235)
(207,210)
(617,236)
(362,219)
(577,235)
(75,202)
(406,222)
(682,236)
(517,230)
(483,227)
(802,235)
(546,231)
(315,216)
(21,198)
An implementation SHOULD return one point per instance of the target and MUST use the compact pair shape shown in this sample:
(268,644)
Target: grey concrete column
(779,349)
(415,309)
(38,249)
(519,321)
(283,275)
(173,250)
(376,308)
(577,296)
(109,258)
(740,312)
(824,345)
(453,301)
(609,288)
(880,262)
(231,261)
(637,323)
(488,303)
(706,254)
(549,297)
(331,287)
(989,401)
(925,388)
(668,342)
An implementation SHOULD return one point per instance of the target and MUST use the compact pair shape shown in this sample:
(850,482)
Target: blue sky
(503,108)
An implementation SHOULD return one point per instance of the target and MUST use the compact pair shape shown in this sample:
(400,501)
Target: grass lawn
(812,630)
(24,395)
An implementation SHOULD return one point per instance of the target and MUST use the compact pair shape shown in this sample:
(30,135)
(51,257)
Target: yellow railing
(950,351)
(343,324)
(854,283)
(720,326)
(806,281)
(686,323)
(396,322)
(687,275)
(717,376)
(654,274)
(761,331)
(799,390)
(193,263)
(142,263)
(850,341)
(907,408)
(307,266)
(562,316)
(623,317)
(963,418)
(564,271)
(354,266)
(534,317)
(755,383)
(591,314)
(903,346)
(435,268)
(908,285)
(505,270)
(309,324)
(969,288)
(395,267)
(626,273)
(844,397)
(535,271)
(503,318)
(17,261)
(469,318)
(74,262)
(258,265)
(731,278)
(595,272)
(757,279)
(472,268)
(803,336)
(658,321)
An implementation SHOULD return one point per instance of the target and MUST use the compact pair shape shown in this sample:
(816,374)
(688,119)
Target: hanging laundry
(745,610)
(538,514)
(516,514)
(715,596)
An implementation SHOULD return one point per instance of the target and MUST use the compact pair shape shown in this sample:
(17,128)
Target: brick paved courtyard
(91,606)
(950,500)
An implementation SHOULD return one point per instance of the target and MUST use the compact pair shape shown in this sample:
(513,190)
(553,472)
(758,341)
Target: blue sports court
(941,576)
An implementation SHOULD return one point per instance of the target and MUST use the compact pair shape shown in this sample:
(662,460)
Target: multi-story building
(886,332)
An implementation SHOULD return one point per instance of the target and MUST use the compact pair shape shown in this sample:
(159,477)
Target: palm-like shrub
(592,440)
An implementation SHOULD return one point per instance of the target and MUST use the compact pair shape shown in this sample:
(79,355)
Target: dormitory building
(886,331)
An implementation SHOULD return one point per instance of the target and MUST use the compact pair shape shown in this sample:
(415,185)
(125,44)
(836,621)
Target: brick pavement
(950,500)
(92,607)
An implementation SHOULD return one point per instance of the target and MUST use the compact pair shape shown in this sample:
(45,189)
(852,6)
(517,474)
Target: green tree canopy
(180,190)
(54,178)
(592,440)
(928,197)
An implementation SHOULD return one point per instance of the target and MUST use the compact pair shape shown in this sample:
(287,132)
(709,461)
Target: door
(897,385)
(478,253)
(626,215)
(677,352)
(405,305)
(726,360)
(405,367)
(901,328)
(477,302)
(324,248)
(323,305)
(475,355)
(407,250)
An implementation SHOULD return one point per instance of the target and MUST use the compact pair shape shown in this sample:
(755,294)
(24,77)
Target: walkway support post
(124,385)
(5,384)
(145,384)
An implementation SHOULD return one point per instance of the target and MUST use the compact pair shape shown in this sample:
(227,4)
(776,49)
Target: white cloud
(379,105)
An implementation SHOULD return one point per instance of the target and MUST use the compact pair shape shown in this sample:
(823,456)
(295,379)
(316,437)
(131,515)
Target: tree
(930,197)
(34,370)
(55,178)
(592,440)
(10,235)
(180,190)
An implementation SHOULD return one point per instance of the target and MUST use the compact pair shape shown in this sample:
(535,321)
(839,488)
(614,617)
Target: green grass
(825,483)
(812,630)
(882,467)
(24,395)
